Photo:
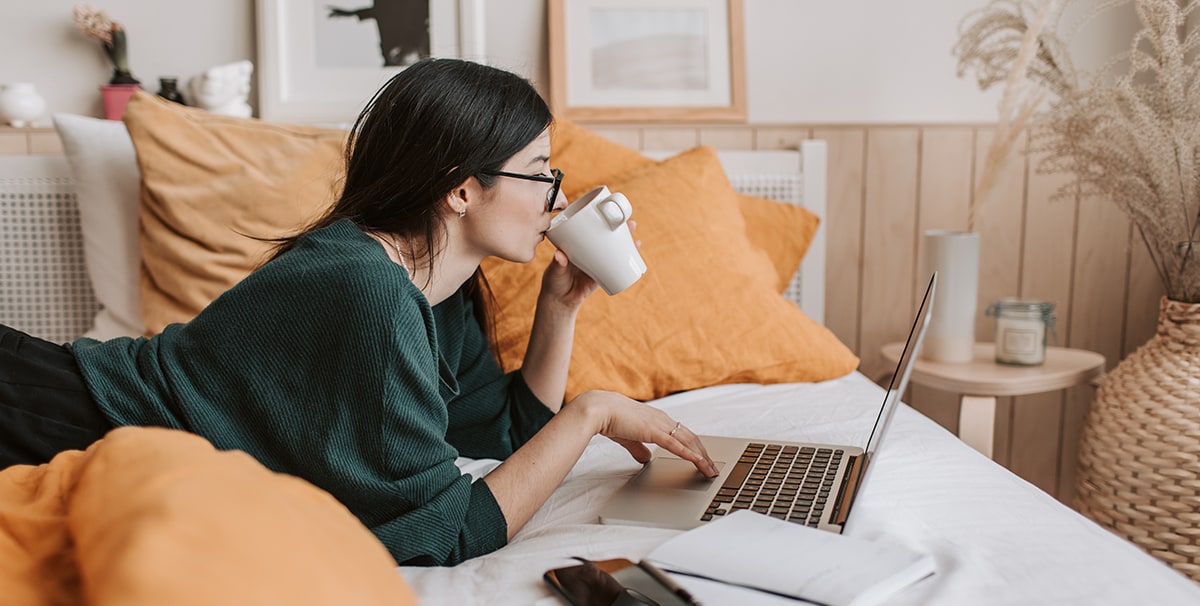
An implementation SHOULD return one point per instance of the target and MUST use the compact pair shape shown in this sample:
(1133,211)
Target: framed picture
(321,61)
(660,60)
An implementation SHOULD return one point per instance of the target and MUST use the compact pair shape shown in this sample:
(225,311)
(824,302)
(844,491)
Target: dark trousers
(45,406)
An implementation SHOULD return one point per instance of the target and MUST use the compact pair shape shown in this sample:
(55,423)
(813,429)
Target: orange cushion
(784,231)
(213,184)
(37,556)
(213,187)
(706,313)
(161,517)
(588,159)
(157,516)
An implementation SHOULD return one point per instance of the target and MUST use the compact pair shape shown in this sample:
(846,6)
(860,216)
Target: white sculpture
(20,104)
(223,89)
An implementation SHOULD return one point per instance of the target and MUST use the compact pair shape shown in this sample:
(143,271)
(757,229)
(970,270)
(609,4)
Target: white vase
(20,104)
(955,256)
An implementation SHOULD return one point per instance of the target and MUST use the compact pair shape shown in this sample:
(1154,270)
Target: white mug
(594,232)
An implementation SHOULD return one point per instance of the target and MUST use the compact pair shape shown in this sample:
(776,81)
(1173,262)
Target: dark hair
(431,127)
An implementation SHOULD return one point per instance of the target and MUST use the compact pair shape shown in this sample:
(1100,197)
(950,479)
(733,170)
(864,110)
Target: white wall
(181,38)
(809,61)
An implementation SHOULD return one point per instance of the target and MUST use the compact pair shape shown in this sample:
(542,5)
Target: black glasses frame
(555,181)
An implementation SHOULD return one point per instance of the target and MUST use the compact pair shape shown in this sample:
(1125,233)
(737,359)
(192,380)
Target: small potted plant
(98,25)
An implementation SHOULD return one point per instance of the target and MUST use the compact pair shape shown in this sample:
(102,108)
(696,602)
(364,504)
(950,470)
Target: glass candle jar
(1021,326)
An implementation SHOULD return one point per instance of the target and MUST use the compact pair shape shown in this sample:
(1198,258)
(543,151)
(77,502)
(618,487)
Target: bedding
(155,516)
(996,538)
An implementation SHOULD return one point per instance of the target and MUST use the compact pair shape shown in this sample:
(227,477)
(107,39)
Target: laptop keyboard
(791,483)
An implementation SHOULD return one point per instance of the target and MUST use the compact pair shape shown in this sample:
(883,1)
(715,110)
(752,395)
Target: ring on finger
(674,429)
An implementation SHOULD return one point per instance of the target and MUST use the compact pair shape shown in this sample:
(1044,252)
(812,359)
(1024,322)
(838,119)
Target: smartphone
(617,582)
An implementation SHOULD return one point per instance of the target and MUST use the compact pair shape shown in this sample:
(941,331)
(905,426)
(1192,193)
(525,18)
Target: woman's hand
(564,288)
(523,482)
(564,284)
(633,424)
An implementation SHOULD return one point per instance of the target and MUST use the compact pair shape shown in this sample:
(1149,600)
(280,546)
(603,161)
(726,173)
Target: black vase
(168,90)
(122,77)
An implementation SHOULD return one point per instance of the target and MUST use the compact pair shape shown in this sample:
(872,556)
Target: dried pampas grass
(1132,137)
(986,44)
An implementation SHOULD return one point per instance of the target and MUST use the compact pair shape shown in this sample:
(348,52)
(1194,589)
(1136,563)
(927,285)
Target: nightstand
(980,381)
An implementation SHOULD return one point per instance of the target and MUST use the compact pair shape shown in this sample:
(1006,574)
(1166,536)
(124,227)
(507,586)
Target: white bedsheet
(996,538)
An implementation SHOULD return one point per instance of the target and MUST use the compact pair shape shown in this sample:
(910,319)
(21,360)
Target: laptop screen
(916,335)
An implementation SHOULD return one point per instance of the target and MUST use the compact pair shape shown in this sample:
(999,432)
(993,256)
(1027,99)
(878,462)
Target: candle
(1021,330)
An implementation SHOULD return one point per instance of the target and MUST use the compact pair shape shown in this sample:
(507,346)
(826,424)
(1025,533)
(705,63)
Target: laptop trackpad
(675,474)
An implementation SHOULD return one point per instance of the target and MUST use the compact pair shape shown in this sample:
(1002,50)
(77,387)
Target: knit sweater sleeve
(323,364)
(442,517)
(491,413)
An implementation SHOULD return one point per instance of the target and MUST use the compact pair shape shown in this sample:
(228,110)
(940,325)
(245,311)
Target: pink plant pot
(115,98)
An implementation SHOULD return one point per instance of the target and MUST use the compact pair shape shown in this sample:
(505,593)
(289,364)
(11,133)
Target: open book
(752,550)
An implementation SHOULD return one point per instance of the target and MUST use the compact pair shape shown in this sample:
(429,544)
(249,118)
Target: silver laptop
(811,484)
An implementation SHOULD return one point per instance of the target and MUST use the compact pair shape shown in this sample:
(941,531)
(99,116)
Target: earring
(462,213)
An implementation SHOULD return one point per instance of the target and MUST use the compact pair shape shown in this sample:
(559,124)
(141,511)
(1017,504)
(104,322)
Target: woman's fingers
(565,282)
(687,445)
(633,227)
(627,422)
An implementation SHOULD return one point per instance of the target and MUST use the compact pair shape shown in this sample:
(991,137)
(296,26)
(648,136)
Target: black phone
(616,582)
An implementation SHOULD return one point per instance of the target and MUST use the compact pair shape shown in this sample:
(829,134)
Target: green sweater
(329,364)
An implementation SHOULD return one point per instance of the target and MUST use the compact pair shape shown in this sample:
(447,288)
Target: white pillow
(108,184)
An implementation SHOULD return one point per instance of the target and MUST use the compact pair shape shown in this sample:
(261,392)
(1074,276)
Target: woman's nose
(560,202)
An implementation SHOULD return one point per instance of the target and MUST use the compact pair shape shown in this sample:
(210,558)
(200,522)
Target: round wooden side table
(980,381)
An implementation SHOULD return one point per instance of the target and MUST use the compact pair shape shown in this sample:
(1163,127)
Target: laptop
(810,484)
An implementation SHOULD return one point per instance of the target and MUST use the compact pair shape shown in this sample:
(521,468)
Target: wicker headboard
(46,290)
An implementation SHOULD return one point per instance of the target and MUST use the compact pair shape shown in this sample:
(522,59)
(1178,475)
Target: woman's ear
(464,195)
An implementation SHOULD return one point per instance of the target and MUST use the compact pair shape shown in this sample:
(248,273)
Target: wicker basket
(1140,451)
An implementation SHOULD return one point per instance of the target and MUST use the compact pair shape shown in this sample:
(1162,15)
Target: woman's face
(512,219)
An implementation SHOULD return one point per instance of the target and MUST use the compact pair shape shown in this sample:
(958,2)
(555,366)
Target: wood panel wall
(889,183)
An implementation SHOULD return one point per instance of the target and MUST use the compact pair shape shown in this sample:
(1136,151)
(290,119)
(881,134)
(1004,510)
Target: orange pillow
(706,313)
(213,184)
(157,516)
(784,231)
(587,159)
(37,554)
(161,517)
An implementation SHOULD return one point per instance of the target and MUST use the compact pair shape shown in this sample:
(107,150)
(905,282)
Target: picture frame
(654,60)
(314,69)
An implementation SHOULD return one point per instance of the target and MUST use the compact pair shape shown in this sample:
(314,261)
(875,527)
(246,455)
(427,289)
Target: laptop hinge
(850,485)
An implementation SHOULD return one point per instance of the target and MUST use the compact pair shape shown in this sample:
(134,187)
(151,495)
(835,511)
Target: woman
(356,358)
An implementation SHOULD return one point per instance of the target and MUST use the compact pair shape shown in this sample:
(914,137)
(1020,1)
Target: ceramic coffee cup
(594,233)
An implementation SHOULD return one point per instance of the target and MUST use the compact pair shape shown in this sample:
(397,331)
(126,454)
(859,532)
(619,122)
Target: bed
(996,538)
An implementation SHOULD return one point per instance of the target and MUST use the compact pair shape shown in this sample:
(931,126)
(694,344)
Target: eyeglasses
(555,180)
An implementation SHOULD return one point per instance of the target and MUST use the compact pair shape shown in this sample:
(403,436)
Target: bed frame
(47,291)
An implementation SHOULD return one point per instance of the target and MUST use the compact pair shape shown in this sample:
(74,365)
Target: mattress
(996,538)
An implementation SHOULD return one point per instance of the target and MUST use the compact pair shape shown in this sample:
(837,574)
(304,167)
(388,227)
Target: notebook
(744,551)
(803,483)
